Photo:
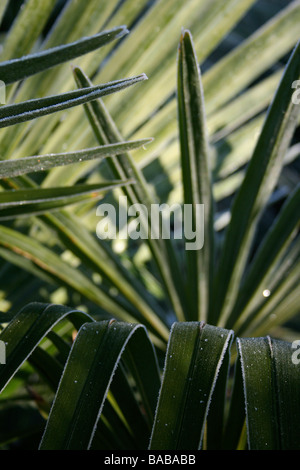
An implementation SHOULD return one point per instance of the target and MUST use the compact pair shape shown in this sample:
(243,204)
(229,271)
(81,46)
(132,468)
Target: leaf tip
(125,30)
(185,33)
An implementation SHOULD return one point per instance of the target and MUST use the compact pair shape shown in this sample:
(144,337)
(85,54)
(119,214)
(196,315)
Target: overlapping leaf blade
(93,360)
(27,329)
(162,250)
(258,185)
(102,259)
(275,243)
(193,360)
(41,200)
(96,256)
(210,23)
(61,272)
(233,431)
(287,386)
(271,423)
(194,385)
(21,112)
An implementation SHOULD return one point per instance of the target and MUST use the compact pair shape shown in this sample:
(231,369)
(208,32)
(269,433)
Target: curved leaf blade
(287,377)
(271,387)
(27,329)
(193,360)
(93,360)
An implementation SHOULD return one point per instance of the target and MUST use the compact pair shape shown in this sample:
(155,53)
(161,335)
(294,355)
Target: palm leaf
(21,112)
(104,342)
(183,404)
(18,69)
(262,174)
(196,176)
(269,422)
(26,165)
(37,201)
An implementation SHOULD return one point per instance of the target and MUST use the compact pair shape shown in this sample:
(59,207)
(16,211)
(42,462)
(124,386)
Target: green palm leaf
(10,168)
(21,112)
(196,176)
(184,403)
(18,69)
(26,202)
(258,185)
(27,329)
(97,345)
(270,424)
(156,381)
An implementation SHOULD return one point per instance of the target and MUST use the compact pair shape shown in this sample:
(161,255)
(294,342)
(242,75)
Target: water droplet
(266,293)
